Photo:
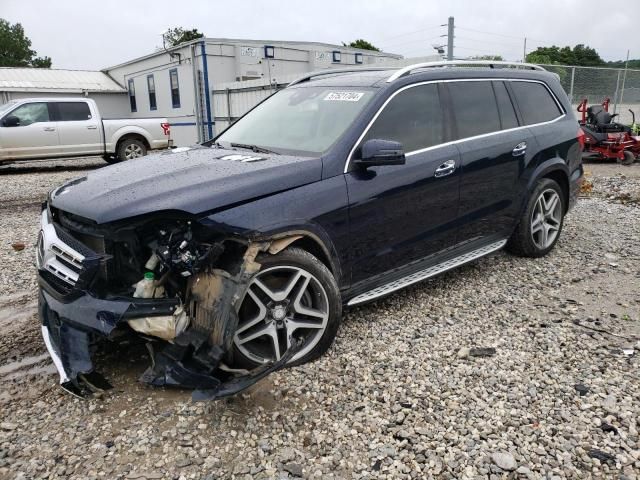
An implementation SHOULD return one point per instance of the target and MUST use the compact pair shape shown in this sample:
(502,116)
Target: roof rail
(457,63)
(331,71)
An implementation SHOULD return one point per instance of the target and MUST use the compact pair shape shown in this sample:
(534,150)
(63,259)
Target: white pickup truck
(33,128)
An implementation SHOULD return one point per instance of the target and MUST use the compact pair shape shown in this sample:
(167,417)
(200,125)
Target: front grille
(63,257)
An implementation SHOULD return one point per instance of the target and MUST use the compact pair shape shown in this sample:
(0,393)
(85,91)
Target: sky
(92,35)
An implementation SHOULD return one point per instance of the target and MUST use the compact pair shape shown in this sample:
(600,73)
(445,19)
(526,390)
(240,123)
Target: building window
(358,58)
(151,85)
(336,56)
(132,95)
(175,88)
(269,51)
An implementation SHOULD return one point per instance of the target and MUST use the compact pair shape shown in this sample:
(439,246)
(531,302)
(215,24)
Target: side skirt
(431,271)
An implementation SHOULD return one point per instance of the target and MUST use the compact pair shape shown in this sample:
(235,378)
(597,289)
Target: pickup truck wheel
(130,149)
(293,295)
(541,223)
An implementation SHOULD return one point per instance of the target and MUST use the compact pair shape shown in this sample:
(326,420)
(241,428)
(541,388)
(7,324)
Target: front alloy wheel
(292,296)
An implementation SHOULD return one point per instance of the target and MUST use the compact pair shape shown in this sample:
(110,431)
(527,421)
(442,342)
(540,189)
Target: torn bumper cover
(188,341)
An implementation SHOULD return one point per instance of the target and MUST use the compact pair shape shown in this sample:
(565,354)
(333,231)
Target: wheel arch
(555,169)
(133,136)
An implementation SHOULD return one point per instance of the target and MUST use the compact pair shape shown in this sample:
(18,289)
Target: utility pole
(524,51)
(450,28)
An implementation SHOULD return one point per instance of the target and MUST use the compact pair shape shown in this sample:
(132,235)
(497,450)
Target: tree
(580,55)
(363,44)
(15,48)
(176,36)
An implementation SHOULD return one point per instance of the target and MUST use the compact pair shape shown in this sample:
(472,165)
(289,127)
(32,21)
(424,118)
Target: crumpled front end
(168,279)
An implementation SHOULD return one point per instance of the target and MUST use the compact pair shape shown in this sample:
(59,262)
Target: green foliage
(15,48)
(176,36)
(635,64)
(363,44)
(580,55)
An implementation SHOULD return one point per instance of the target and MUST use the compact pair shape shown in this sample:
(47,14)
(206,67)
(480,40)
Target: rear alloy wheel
(292,296)
(541,223)
(131,149)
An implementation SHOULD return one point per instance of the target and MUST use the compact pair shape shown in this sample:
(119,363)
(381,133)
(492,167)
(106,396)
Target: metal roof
(56,81)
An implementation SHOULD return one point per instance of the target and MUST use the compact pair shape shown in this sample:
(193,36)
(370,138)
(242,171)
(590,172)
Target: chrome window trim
(460,140)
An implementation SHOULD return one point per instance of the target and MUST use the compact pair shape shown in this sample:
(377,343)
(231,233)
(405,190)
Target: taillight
(581,139)
(166,128)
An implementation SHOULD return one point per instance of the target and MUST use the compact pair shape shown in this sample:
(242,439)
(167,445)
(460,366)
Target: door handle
(92,127)
(49,129)
(447,168)
(519,149)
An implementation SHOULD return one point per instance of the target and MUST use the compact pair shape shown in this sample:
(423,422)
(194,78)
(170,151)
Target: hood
(193,180)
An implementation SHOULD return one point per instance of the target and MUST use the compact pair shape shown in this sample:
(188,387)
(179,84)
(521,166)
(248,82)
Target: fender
(128,130)
(546,167)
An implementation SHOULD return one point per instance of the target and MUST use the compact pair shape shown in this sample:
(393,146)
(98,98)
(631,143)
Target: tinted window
(132,95)
(413,117)
(151,86)
(73,111)
(175,88)
(474,107)
(507,113)
(535,102)
(31,113)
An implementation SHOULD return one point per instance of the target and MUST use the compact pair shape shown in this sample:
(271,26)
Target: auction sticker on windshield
(344,96)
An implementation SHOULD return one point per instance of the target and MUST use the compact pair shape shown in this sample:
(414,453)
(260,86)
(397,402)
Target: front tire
(293,294)
(130,149)
(541,223)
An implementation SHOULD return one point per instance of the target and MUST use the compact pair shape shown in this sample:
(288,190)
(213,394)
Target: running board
(426,273)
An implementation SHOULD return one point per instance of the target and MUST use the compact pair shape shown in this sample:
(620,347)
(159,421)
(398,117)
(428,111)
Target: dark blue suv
(338,190)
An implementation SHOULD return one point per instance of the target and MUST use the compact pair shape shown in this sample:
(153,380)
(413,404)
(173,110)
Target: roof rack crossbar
(320,73)
(452,63)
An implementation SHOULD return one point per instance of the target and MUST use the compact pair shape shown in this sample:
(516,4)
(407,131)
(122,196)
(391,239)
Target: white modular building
(180,83)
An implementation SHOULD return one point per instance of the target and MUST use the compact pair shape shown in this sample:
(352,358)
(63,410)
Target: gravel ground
(406,391)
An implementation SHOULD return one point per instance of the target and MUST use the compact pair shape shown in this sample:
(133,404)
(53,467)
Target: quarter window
(507,113)
(535,102)
(31,113)
(413,117)
(175,88)
(73,111)
(151,86)
(132,95)
(474,108)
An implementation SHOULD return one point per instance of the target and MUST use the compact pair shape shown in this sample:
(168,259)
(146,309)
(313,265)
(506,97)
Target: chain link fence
(621,86)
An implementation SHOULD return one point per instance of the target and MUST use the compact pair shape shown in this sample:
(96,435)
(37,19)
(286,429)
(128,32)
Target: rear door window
(474,108)
(535,102)
(73,111)
(413,117)
(507,113)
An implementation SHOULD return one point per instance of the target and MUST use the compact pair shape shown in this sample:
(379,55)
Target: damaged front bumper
(189,346)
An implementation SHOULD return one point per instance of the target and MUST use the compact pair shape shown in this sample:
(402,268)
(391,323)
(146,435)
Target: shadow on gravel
(32,167)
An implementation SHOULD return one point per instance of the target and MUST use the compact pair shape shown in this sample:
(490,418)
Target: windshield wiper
(253,148)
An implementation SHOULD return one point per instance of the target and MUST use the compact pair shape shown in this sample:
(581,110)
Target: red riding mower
(605,139)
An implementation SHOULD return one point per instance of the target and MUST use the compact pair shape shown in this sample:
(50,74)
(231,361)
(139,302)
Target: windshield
(6,107)
(307,120)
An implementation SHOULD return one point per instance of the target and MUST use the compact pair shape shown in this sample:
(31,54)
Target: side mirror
(381,152)
(11,121)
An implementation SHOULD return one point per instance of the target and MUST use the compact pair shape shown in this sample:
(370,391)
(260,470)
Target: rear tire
(130,149)
(628,159)
(314,300)
(541,223)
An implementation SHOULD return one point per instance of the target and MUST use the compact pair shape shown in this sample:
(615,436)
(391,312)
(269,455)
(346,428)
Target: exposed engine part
(166,327)
(179,252)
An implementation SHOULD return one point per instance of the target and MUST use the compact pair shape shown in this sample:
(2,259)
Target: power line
(421,40)
(411,33)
